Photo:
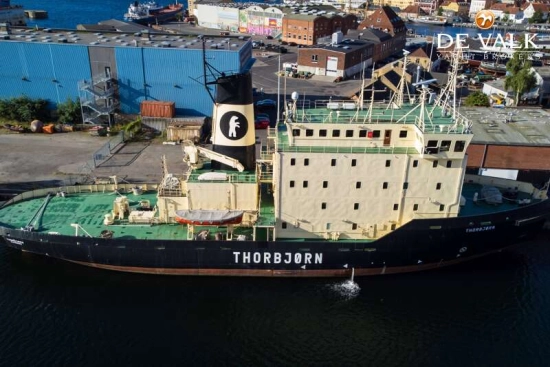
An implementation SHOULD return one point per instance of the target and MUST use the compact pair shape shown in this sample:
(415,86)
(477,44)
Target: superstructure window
(415,207)
(395,206)
(354,226)
(385,185)
(403,133)
(323,206)
(306,161)
(292,183)
(335,133)
(434,164)
(323,132)
(325,184)
(309,132)
(459,145)
(438,186)
(356,206)
(415,163)
(314,58)
(304,184)
(405,185)
(441,207)
(362,133)
(349,133)
(358,185)
(388,163)
(376,134)
(295,132)
(283,225)
(354,162)
(333,162)
(449,164)
(292,161)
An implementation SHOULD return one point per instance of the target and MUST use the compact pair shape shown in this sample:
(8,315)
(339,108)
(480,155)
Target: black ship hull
(418,245)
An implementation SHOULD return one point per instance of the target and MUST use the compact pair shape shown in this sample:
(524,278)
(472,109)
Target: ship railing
(234,178)
(346,150)
(79,189)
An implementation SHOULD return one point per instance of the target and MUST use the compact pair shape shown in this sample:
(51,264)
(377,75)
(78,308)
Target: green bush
(69,112)
(24,109)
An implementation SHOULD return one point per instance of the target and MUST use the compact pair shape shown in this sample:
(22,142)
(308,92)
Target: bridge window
(295,132)
(335,133)
(445,146)
(362,133)
(403,133)
(459,145)
(309,132)
(376,134)
(349,133)
(322,132)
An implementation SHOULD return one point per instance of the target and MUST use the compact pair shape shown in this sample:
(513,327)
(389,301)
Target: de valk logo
(485,19)
(234,125)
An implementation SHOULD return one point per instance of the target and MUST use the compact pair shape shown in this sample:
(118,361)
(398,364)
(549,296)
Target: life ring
(463,249)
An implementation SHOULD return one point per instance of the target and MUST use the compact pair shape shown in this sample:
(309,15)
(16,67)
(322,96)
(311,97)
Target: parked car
(266,103)
(293,44)
(269,37)
(261,123)
(283,50)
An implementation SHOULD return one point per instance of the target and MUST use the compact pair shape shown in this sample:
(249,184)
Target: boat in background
(12,14)
(152,13)
(493,68)
(428,19)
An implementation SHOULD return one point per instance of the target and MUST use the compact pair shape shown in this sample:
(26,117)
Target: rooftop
(123,39)
(529,126)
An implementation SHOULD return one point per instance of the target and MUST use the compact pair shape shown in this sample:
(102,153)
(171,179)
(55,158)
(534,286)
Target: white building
(477,5)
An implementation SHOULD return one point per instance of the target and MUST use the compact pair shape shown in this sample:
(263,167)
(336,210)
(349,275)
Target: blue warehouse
(118,70)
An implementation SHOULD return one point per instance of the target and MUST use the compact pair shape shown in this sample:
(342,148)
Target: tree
(439,11)
(536,18)
(506,17)
(477,98)
(519,76)
(69,112)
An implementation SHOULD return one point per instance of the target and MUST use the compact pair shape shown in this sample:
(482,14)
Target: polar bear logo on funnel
(233,124)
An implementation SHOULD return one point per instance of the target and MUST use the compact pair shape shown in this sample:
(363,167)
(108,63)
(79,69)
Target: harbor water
(489,312)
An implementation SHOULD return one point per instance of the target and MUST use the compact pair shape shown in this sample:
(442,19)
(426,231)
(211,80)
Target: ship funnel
(233,121)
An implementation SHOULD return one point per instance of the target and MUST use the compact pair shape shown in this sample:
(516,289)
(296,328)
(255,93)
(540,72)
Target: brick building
(341,58)
(306,29)
(387,21)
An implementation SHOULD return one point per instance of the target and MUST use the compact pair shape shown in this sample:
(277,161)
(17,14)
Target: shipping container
(158,109)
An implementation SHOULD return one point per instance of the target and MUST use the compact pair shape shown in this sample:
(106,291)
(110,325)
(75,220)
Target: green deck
(88,211)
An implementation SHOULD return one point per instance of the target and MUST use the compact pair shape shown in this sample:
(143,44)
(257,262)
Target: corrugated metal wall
(48,71)
(52,71)
(169,75)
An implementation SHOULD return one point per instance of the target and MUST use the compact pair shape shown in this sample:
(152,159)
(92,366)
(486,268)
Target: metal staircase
(98,101)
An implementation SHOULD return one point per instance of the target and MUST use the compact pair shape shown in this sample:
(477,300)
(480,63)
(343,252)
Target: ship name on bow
(480,229)
(277,258)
